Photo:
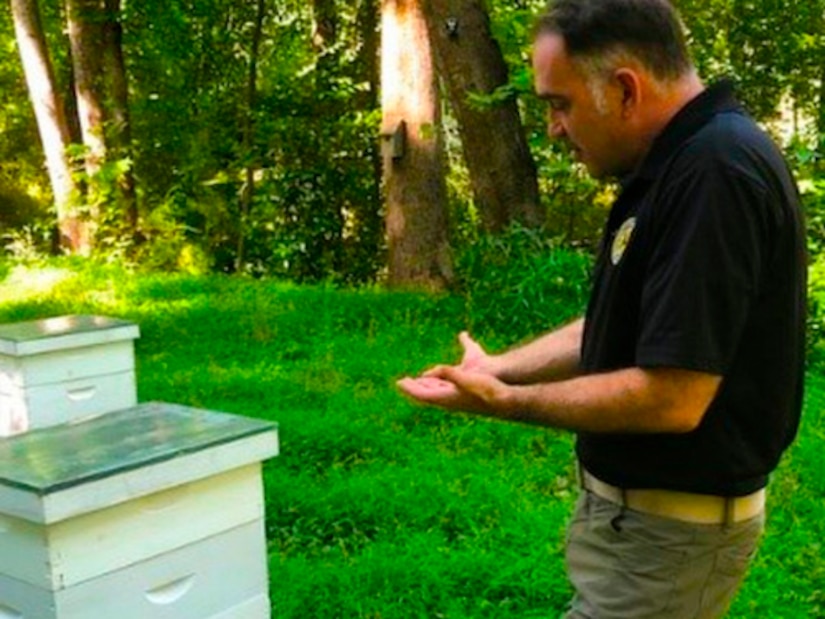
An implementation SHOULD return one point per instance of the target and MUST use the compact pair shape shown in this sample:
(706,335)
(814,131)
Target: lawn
(377,508)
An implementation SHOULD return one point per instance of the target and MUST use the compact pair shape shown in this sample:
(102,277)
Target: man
(684,380)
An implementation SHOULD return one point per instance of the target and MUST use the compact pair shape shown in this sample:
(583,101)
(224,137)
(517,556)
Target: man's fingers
(442,375)
(425,388)
(456,376)
(411,387)
(409,384)
(474,383)
(430,382)
(452,388)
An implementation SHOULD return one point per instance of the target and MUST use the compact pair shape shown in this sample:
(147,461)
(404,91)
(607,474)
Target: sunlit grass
(22,282)
(377,508)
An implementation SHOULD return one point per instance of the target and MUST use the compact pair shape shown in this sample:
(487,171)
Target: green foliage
(103,202)
(812,189)
(26,228)
(24,187)
(318,217)
(168,245)
(521,283)
(16,208)
(578,204)
(20,154)
(771,48)
(316,210)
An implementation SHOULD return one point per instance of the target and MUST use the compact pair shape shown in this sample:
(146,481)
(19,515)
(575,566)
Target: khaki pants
(628,565)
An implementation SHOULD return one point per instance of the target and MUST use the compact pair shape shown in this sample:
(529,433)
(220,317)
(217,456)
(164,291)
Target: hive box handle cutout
(170,592)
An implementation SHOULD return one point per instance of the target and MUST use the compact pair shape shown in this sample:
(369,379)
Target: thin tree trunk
(326,244)
(502,170)
(86,35)
(248,190)
(70,98)
(413,151)
(121,129)
(821,119)
(369,101)
(50,114)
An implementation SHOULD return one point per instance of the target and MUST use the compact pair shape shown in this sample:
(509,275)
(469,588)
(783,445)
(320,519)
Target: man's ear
(630,87)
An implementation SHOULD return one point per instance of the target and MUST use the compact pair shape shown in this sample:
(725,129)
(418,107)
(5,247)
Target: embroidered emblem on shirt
(622,240)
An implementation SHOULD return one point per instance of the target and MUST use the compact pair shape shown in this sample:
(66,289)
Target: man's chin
(601,173)
(593,170)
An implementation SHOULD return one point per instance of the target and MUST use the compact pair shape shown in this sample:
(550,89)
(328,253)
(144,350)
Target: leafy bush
(812,188)
(816,311)
(814,202)
(26,230)
(521,283)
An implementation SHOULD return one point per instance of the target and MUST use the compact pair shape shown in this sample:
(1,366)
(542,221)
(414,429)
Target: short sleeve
(711,242)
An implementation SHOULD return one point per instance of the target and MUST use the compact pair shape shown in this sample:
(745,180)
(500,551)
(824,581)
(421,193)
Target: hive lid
(54,458)
(115,451)
(50,334)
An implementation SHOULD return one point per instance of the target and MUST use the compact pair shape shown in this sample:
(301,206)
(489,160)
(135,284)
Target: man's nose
(555,128)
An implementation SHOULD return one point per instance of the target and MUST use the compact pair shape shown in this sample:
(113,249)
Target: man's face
(593,131)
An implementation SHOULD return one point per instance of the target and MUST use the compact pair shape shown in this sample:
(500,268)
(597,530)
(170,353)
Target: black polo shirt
(703,267)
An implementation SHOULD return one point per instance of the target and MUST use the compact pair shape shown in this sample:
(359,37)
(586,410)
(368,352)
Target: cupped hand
(457,389)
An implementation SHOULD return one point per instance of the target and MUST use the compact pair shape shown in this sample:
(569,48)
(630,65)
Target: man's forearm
(552,357)
(634,400)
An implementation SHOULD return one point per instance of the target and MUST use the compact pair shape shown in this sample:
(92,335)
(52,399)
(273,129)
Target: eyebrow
(552,97)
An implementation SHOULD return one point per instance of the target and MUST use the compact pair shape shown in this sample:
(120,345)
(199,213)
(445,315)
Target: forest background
(275,138)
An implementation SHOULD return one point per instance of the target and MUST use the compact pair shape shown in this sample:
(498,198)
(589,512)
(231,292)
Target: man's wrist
(514,403)
(494,366)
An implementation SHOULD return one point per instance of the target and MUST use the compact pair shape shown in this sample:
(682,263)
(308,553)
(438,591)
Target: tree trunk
(70,98)
(370,72)
(50,114)
(469,60)
(86,35)
(121,126)
(821,118)
(413,151)
(248,190)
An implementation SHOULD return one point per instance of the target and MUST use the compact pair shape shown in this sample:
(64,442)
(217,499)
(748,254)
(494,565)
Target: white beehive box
(154,511)
(63,369)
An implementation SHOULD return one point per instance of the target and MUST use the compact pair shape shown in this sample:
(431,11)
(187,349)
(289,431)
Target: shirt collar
(715,99)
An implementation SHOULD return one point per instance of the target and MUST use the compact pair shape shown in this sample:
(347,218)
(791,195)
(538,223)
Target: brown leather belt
(684,506)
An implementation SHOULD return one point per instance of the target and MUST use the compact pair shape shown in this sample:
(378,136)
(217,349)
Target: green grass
(377,508)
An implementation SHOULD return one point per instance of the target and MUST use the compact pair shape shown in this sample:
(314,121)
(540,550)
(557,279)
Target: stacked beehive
(111,509)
